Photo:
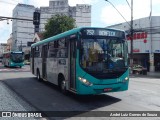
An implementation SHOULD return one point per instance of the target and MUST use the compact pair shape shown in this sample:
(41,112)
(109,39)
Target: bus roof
(67,33)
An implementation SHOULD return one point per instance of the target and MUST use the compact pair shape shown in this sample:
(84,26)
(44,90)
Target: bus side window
(52,50)
(40,51)
(37,52)
(62,48)
(55,44)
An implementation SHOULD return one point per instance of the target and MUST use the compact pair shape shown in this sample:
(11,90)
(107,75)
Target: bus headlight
(126,78)
(85,81)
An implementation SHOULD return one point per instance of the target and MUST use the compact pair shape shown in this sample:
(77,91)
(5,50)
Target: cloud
(39,3)
(103,12)
(109,16)
(6,11)
(74,2)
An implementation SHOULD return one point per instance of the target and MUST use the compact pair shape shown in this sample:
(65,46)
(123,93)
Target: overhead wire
(118,12)
(128,4)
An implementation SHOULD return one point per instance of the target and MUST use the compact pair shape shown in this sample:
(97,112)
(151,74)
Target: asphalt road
(30,94)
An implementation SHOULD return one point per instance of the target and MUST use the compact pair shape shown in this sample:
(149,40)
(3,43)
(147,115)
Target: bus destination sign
(102,32)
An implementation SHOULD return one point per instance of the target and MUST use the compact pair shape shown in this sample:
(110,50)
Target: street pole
(21,45)
(131,36)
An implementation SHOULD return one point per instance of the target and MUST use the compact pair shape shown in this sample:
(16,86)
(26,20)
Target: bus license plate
(107,89)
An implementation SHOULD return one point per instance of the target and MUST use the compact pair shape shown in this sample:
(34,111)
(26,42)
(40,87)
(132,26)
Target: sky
(103,13)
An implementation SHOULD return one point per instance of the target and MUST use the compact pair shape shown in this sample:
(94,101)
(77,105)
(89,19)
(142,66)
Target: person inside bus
(93,55)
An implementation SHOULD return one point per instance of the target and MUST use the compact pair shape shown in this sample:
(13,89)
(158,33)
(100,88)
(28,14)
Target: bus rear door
(44,61)
(72,64)
(32,50)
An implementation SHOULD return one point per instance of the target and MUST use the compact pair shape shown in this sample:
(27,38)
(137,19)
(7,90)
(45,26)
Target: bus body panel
(52,70)
(98,89)
(13,64)
(62,67)
(56,66)
(99,85)
(117,84)
(81,73)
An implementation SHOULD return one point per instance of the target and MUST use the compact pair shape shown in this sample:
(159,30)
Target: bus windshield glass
(104,55)
(17,57)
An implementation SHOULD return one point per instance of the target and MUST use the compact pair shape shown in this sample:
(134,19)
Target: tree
(58,24)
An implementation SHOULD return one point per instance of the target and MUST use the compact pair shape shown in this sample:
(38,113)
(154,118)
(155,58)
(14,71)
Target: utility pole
(21,45)
(131,36)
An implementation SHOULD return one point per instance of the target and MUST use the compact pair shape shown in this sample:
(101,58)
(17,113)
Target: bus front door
(44,60)
(32,60)
(73,65)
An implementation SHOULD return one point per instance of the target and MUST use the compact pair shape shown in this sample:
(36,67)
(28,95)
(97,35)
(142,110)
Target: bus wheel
(63,87)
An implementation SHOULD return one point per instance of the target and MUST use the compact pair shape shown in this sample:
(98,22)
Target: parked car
(138,69)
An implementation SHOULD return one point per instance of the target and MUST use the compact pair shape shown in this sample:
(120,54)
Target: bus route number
(90,32)
(106,33)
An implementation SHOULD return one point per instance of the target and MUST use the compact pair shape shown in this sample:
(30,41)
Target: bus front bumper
(16,64)
(98,89)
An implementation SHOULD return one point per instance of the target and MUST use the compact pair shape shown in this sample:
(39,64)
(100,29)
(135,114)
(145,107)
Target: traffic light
(36,18)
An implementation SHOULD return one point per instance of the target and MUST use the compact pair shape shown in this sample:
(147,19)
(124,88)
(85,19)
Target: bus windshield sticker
(62,61)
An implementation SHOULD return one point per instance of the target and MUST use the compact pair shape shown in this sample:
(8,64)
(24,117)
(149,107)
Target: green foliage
(58,24)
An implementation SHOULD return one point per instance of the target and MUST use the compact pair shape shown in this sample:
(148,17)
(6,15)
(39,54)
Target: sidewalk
(153,74)
(149,74)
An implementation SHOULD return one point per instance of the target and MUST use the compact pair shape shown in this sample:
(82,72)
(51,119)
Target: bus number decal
(90,32)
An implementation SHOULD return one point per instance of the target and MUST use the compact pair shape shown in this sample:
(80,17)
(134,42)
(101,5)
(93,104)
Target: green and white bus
(13,59)
(83,60)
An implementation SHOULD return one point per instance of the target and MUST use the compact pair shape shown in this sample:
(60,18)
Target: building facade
(81,12)
(146,41)
(22,30)
(3,48)
(9,43)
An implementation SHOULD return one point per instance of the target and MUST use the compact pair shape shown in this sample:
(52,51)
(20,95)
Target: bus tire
(38,76)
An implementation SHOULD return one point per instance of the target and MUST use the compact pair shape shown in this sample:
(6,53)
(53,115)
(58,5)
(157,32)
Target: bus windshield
(104,55)
(17,57)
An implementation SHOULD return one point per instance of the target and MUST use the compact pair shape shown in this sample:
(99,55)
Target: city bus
(13,59)
(85,61)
